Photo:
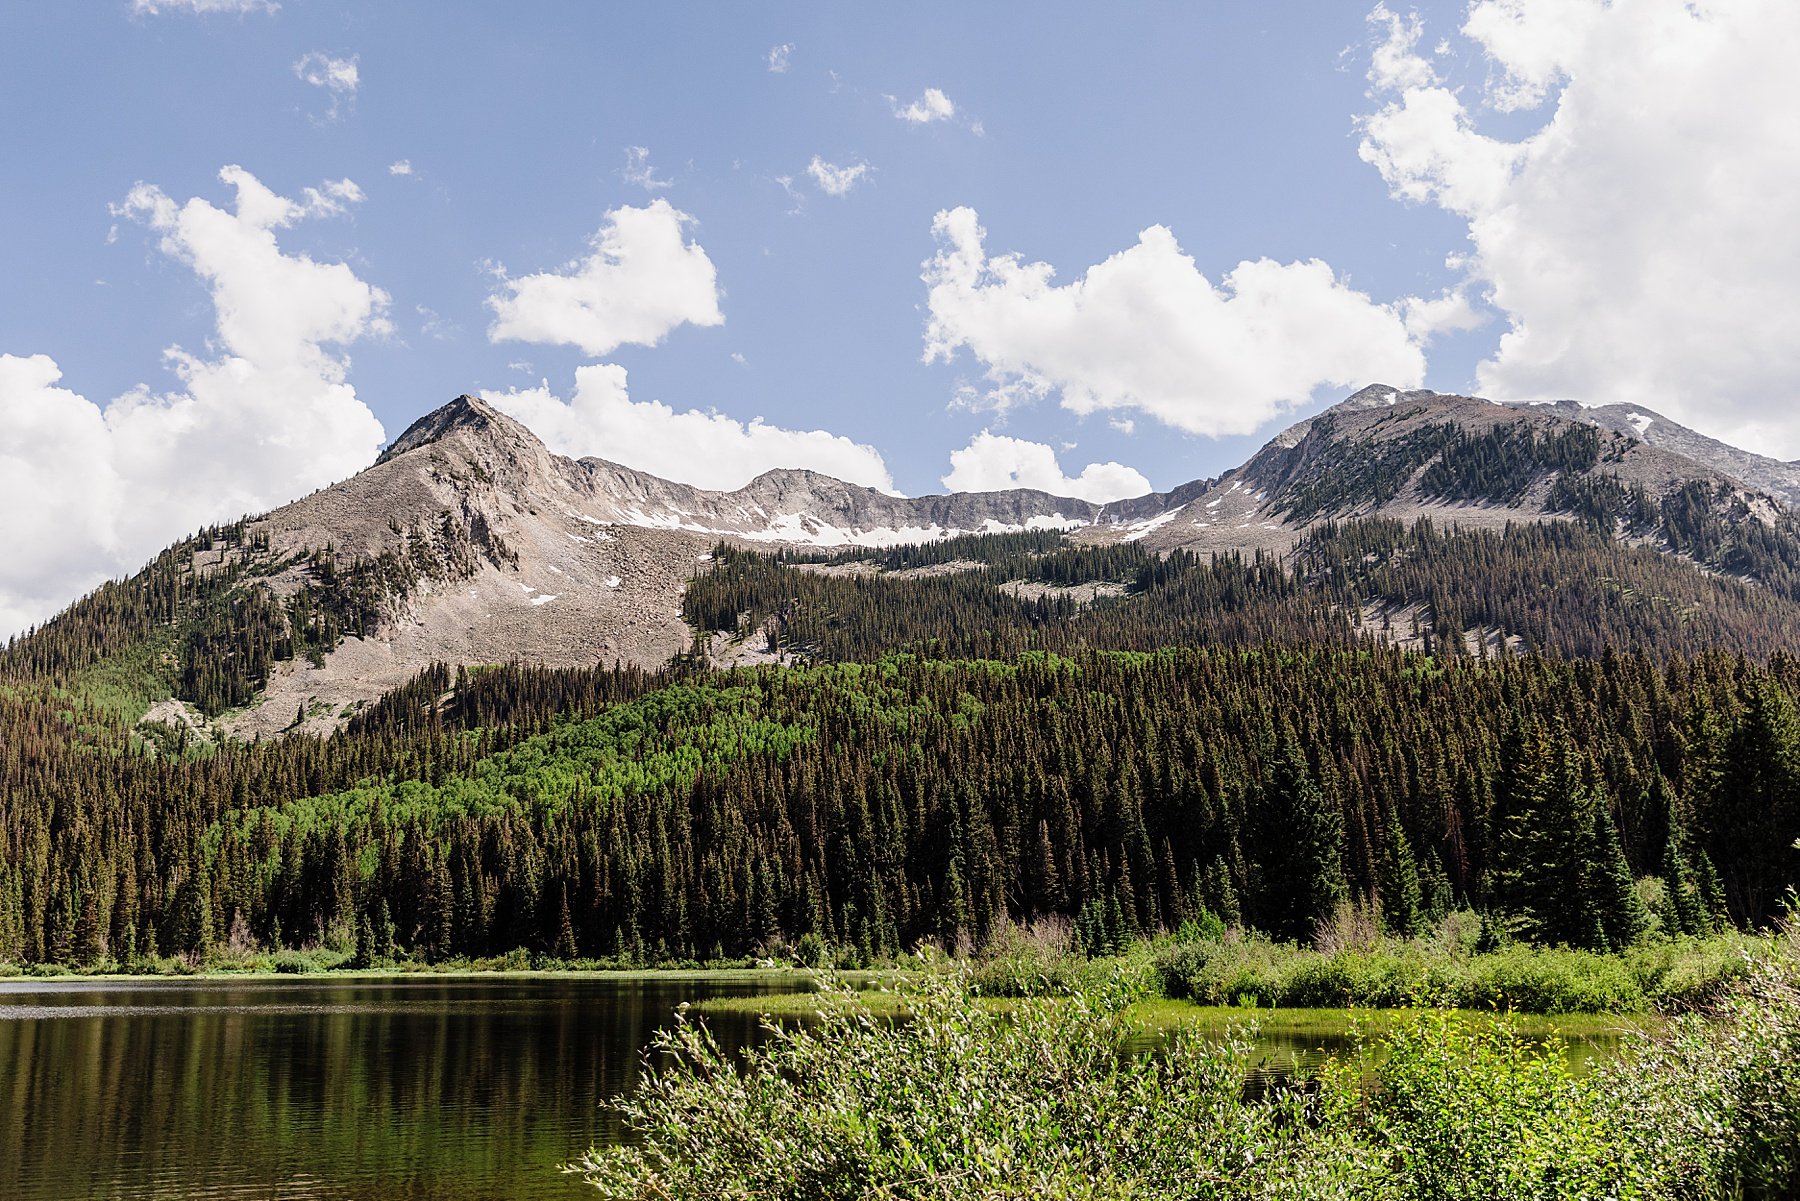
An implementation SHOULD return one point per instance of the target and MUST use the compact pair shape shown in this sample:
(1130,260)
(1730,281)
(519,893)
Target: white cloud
(642,280)
(932,106)
(780,57)
(708,450)
(400,167)
(1452,312)
(1639,235)
(158,7)
(639,171)
(1146,331)
(93,491)
(833,179)
(336,76)
(994,462)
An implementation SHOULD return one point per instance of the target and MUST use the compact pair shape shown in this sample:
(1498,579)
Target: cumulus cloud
(708,450)
(639,171)
(1147,331)
(158,7)
(834,180)
(337,77)
(932,106)
(643,279)
(400,167)
(1638,235)
(266,415)
(780,57)
(994,462)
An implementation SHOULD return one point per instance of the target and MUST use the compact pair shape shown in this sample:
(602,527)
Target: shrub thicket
(1044,1100)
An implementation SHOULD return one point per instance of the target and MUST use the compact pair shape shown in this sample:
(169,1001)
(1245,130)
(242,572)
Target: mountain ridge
(468,541)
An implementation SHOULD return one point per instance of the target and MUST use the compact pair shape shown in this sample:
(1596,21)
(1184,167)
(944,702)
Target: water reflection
(434,1088)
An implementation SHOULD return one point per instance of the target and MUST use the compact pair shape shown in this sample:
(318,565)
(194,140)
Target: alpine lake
(426,1088)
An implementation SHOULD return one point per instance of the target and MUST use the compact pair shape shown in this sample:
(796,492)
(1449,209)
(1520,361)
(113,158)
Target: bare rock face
(557,561)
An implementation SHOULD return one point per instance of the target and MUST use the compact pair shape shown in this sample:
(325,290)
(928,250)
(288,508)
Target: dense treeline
(1551,586)
(873,805)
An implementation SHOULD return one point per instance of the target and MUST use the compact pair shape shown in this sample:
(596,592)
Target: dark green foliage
(1558,872)
(1497,465)
(1556,587)
(874,805)
(1402,899)
(1750,829)
(1500,463)
(1302,839)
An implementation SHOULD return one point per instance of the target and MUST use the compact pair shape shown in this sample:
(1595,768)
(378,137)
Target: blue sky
(1408,176)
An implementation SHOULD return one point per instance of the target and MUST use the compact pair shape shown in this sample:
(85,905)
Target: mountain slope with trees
(872,805)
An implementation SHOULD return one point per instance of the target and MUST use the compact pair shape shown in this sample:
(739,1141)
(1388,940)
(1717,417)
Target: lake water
(435,1088)
(427,1089)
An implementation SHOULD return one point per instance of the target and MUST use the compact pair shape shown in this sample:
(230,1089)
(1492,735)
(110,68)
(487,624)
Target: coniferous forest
(872,805)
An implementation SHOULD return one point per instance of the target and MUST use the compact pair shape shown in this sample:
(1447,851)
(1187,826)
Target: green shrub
(1043,1100)
(297,963)
(1470,1111)
(1540,980)
(1039,1101)
(1362,979)
(1032,960)
(1249,971)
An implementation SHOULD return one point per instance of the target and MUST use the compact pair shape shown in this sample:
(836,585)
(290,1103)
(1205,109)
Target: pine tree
(1614,893)
(1684,897)
(564,947)
(1302,837)
(193,912)
(1402,903)
(1756,808)
(437,912)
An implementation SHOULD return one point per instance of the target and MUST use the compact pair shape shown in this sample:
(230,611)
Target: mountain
(1779,479)
(954,734)
(468,542)
(1463,459)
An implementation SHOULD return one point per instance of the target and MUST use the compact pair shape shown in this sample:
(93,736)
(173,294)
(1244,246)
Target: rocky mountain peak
(465,414)
(1380,396)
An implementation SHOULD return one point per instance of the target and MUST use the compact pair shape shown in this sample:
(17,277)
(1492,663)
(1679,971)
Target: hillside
(1423,624)
(468,542)
(866,806)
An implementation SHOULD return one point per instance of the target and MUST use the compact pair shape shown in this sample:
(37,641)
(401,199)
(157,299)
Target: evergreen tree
(1614,894)
(1302,836)
(1402,902)
(1756,808)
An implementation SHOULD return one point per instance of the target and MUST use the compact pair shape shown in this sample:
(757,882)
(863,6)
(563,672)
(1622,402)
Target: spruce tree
(1302,839)
(1402,901)
(1614,893)
(1684,897)
(1756,807)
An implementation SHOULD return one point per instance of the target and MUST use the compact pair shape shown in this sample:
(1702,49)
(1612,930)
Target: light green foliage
(958,1101)
(1468,1112)
(1248,970)
(1042,1100)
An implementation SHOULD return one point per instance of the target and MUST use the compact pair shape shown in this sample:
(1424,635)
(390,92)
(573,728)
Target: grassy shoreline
(1030,1097)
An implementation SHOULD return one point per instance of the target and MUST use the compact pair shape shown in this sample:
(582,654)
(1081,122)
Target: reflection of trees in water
(474,1089)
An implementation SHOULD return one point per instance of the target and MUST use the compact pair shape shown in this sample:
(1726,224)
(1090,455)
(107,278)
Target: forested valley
(638,818)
